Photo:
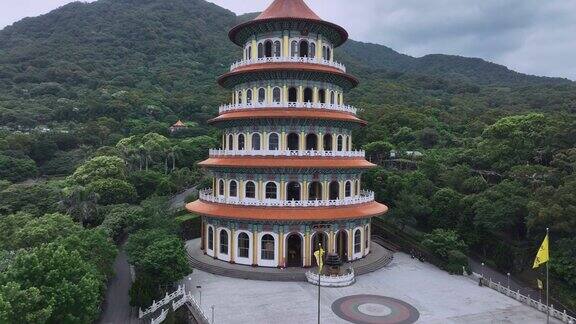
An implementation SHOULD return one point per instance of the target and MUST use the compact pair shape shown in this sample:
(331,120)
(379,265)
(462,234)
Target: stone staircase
(382,262)
(249,273)
(202,263)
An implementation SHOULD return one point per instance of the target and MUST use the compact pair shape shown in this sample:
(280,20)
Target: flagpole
(548,281)
(319,276)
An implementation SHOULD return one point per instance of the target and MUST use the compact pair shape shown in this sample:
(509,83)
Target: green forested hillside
(88,91)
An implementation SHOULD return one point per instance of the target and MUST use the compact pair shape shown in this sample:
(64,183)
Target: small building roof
(179,123)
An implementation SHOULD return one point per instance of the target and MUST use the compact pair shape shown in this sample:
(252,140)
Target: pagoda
(287,177)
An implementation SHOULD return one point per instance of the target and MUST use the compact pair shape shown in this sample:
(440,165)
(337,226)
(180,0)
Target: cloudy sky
(530,36)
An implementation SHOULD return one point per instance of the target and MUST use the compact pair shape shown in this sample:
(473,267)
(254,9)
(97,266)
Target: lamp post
(508,274)
(212,314)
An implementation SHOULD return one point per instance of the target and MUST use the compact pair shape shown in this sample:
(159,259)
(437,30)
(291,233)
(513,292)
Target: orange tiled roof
(288,66)
(288,113)
(288,9)
(287,214)
(288,162)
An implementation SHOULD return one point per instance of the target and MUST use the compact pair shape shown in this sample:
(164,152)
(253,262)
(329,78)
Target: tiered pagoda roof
(288,14)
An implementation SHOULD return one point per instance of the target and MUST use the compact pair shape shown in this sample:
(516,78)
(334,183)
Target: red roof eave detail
(288,162)
(288,66)
(287,113)
(367,210)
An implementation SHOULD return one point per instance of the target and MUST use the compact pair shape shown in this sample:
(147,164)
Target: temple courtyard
(404,290)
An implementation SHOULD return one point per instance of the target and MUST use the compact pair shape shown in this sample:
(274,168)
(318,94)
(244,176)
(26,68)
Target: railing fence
(527,300)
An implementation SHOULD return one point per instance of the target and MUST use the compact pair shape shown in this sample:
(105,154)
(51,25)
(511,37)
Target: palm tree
(81,204)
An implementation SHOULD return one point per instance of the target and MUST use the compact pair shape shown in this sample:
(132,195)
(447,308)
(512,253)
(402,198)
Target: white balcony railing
(309,60)
(309,105)
(364,197)
(287,153)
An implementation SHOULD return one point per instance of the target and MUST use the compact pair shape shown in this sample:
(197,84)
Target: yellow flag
(540,284)
(319,256)
(543,254)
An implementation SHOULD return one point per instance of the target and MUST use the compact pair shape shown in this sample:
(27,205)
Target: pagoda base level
(378,258)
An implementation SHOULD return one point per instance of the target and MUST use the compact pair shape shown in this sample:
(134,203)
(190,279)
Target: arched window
(230,145)
(223,242)
(312,50)
(328,142)
(221,187)
(332,98)
(243,245)
(340,143)
(268,49)
(328,51)
(268,247)
(357,241)
(367,236)
(315,191)
(273,142)
(292,94)
(276,94)
(324,52)
(334,193)
(293,142)
(311,142)
(250,189)
(277,49)
(233,191)
(293,191)
(249,53)
(294,49)
(241,142)
(308,95)
(256,142)
(210,238)
(239,96)
(304,48)
(260,50)
(322,96)
(348,189)
(271,191)
(249,96)
(261,95)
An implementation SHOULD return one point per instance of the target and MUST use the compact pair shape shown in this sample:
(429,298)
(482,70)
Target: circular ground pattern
(373,309)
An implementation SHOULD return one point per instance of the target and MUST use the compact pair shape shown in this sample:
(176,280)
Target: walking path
(116,307)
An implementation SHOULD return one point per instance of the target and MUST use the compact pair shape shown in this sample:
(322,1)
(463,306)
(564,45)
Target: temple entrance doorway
(294,251)
(342,245)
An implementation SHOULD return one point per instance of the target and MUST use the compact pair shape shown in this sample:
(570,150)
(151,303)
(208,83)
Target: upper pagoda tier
(288,15)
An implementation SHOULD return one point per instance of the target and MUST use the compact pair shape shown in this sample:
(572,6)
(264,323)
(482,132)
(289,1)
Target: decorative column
(350,244)
(285,45)
(232,245)
(254,50)
(255,248)
(307,249)
(281,260)
(216,243)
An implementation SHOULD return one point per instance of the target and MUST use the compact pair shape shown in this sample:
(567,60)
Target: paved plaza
(437,296)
